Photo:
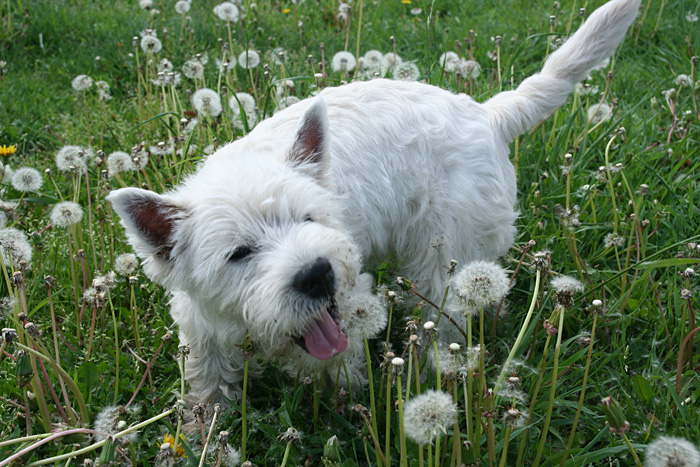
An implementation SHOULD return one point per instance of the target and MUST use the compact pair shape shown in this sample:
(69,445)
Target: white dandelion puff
(14,246)
(226,65)
(249,59)
(449,61)
(247,101)
(428,415)
(182,7)
(599,113)
(288,102)
(125,264)
(683,81)
(193,69)
(669,451)
(365,313)
(227,11)
(343,61)
(66,213)
(119,161)
(103,92)
(481,283)
(406,71)
(207,102)
(81,83)
(165,66)
(613,240)
(392,60)
(468,68)
(27,179)
(151,44)
(373,60)
(71,158)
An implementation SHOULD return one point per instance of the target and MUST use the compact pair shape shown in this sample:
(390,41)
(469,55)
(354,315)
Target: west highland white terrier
(268,239)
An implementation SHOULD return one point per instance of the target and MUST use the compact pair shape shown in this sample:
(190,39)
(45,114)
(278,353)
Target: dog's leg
(514,112)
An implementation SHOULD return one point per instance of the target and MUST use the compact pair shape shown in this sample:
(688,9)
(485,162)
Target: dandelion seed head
(207,102)
(182,7)
(406,71)
(566,284)
(683,81)
(691,17)
(468,69)
(226,65)
(66,213)
(145,4)
(249,59)
(288,102)
(365,313)
(669,451)
(27,179)
(151,44)
(103,92)
(227,11)
(599,113)
(193,69)
(246,100)
(392,60)
(71,157)
(105,283)
(373,60)
(125,264)
(613,240)
(162,148)
(481,283)
(119,161)
(81,83)
(14,247)
(343,61)
(449,61)
(427,415)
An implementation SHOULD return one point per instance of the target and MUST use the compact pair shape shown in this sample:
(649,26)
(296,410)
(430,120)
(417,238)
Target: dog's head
(253,238)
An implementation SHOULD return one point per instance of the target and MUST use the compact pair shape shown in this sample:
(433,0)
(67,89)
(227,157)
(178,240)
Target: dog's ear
(149,219)
(309,152)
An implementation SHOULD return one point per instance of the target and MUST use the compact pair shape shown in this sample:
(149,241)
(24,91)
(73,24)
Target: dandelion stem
(637,462)
(371,391)
(552,390)
(583,392)
(402,434)
(209,435)
(244,420)
(521,334)
(92,447)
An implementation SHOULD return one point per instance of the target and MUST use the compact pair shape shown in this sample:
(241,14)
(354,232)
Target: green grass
(635,352)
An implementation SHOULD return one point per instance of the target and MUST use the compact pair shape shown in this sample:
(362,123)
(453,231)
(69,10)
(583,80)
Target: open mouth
(323,338)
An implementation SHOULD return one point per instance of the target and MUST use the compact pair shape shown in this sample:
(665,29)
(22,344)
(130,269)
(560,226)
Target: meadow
(588,357)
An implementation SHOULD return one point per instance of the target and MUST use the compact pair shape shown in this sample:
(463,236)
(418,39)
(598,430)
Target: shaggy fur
(270,236)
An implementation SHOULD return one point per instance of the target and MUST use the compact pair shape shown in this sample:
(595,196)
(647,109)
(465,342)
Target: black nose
(316,280)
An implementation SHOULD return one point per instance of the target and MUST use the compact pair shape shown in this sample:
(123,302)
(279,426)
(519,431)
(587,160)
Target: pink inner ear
(155,221)
(311,139)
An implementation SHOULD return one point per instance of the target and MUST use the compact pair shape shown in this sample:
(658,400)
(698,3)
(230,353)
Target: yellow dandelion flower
(286,10)
(406,2)
(179,451)
(8,150)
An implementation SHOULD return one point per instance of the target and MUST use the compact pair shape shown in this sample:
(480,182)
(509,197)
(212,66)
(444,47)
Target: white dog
(270,236)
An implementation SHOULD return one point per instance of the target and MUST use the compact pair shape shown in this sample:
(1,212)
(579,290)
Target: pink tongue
(324,339)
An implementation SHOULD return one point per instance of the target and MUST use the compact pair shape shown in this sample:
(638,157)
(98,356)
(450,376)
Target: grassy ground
(635,347)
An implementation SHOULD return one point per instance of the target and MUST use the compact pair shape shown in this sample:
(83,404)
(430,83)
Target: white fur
(382,168)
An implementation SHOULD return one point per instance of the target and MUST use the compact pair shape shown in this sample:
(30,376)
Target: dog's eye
(240,253)
(308,218)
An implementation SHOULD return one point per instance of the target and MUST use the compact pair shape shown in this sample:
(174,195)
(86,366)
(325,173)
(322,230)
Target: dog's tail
(514,112)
